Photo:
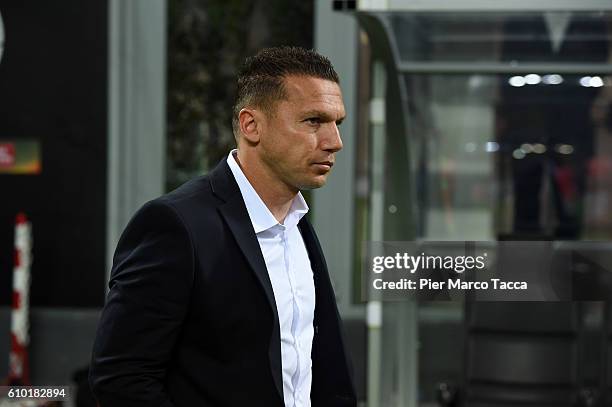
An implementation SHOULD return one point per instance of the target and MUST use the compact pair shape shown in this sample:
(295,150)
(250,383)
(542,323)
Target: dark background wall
(53,88)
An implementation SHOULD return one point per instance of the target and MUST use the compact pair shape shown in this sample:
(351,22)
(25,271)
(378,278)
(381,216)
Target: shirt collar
(261,217)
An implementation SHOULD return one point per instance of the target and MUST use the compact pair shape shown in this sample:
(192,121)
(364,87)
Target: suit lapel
(234,211)
(239,223)
(319,268)
(317,262)
(315,253)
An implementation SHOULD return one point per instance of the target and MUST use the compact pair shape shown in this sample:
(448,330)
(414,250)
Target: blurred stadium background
(467,120)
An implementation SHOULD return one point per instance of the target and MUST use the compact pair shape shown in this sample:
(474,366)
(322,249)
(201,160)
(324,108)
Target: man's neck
(277,196)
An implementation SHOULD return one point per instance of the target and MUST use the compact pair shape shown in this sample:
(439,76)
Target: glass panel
(456,170)
(506,37)
(523,155)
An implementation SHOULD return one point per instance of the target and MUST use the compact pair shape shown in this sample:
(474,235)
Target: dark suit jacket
(190,318)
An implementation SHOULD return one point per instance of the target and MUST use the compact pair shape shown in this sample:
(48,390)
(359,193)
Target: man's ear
(250,126)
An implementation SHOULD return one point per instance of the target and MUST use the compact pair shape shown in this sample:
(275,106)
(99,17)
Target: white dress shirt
(292,281)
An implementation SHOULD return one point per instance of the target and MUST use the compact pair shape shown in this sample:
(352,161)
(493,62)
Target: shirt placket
(295,323)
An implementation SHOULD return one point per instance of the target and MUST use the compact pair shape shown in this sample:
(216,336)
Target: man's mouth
(328,164)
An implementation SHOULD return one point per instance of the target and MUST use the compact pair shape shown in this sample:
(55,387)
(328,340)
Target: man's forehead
(310,87)
(312,93)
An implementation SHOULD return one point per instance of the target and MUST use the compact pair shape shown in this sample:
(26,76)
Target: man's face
(300,137)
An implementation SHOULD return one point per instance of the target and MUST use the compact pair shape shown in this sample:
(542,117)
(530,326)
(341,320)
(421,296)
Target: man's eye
(313,120)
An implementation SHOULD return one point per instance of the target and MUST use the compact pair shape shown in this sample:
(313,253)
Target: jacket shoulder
(195,204)
(192,197)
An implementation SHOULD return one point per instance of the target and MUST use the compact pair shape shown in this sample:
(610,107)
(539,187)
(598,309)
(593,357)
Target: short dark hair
(260,79)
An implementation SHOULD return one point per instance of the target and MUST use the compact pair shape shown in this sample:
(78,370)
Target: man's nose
(332,141)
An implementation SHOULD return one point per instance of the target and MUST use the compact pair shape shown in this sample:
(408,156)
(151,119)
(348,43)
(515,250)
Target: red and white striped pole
(18,358)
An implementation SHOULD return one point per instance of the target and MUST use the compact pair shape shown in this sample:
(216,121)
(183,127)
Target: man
(219,293)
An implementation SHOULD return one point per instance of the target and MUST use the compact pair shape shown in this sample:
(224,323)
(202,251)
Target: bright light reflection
(517,81)
(552,79)
(492,146)
(533,79)
(470,147)
(596,82)
(526,148)
(518,154)
(585,81)
(539,148)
